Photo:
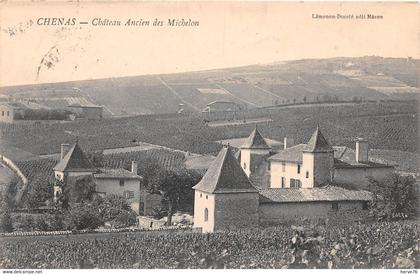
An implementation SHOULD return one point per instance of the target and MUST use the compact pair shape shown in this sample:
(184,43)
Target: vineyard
(371,245)
(166,158)
(391,126)
(42,169)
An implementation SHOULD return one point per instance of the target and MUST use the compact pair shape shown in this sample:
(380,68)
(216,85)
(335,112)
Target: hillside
(372,78)
(387,125)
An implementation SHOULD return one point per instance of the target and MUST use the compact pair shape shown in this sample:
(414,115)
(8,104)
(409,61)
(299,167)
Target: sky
(229,34)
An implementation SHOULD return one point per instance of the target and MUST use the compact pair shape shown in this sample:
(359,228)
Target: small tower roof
(318,143)
(225,175)
(255,140)
(75,160)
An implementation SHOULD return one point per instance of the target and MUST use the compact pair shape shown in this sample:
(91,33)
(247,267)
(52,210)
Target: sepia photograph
(209,135)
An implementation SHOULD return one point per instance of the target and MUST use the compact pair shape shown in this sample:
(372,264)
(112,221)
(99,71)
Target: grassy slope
(248,86)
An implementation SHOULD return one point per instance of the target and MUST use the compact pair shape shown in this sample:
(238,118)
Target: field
(372,245)
(390,125)
(252,86)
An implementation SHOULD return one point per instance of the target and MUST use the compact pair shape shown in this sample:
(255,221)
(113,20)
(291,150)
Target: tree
(394,197)
(85,216)
(175,186)
(150,169)
(38,192)
(75,190)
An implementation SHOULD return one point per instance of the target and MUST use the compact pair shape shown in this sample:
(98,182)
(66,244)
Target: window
(298,169)
(334,206)
(206,214)
(295,183)
(365,205)
(283,182)
(2,113)
(283,166)
(8,113)
(207,196)
(128,194)
(122,182)
(244,165)
(201,195)
(307,174)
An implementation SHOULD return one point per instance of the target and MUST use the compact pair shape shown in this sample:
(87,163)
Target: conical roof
(75,160)
(256,141)
(318,143)
(225,175)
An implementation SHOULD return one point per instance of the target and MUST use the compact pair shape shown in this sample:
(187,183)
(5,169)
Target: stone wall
(358,177)
(286,212)
(235,210)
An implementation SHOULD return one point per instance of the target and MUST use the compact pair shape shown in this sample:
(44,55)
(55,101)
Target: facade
(87,112)
(303,182)
(316,163)
(74,163)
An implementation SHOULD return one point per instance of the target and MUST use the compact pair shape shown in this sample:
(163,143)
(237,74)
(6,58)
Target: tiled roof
(345,157)
(75,160)
(291,154)
(326,193)
(225,175)
(318,143)
(256,141)
(117,173)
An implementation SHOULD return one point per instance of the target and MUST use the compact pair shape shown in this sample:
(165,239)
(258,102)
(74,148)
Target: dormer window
(244,165)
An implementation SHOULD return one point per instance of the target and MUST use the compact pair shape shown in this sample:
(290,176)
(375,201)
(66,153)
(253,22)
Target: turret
(254,151)
(318,160)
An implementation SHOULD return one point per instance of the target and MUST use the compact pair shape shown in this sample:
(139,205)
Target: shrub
(124,219)
(85,216)
(24,222)
(6,222)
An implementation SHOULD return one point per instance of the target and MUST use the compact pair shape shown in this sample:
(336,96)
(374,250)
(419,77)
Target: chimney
(362,151)
(134,166)
(64,149)
(288,142)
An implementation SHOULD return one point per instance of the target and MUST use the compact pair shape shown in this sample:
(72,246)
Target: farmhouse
(9,112)
(87,111)
(301,183)
(74,164)
(221,106)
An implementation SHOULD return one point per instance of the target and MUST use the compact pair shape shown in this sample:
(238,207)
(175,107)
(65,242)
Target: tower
(225,197)
(318,160)
(73,163)
(253,152)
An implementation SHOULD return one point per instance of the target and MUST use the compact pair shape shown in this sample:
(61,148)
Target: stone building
(74,163)
(87,111)
(317,163)
(303,182)
(225,197)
